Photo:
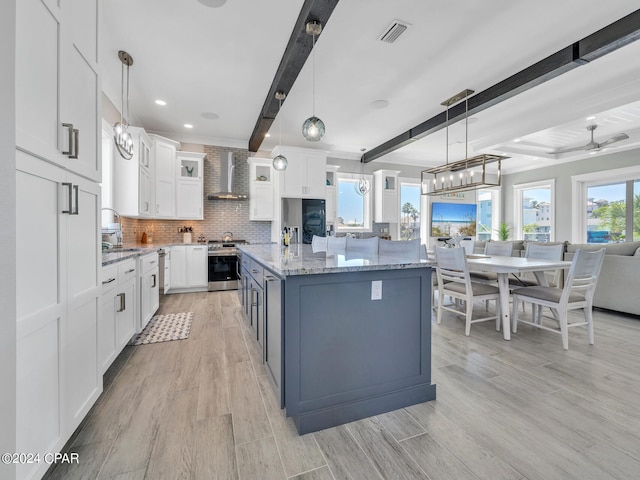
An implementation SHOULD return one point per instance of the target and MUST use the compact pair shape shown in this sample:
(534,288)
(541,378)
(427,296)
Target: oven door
(223,272)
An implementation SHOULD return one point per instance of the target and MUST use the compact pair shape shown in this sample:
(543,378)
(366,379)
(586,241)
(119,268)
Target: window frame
(367,202)
(517,202)
(413,182)
(579,185)
(496,203)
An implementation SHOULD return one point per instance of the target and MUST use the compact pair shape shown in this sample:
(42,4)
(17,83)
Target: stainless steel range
(224,264)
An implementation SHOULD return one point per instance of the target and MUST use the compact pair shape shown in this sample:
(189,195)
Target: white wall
(7,236)
(562,174)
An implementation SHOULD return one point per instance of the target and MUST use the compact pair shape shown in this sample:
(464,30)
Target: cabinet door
(82,383)
(107,330)
(165,165)
(189,199)
(38,62)
(197,266)
(154,290)
(144,188)
(330,204)
(315,180)
(293,179)
(178,266)
(273,328)
(167,272)
(125,321)
(261,201)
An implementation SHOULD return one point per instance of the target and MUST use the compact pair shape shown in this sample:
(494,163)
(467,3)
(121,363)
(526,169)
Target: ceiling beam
(293,59)
(594,46)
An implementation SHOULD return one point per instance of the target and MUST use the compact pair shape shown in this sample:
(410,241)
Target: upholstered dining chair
(468,245)
(319,244)
(577,293)
(362,245)
(540,252)
(336,243)
(454,281)
(500,249)
(405,248)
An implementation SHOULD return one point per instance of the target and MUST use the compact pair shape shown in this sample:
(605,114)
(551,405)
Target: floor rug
(164,328)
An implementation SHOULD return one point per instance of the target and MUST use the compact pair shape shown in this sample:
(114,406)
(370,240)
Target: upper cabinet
(189,195)
(261,194)
(305,173)
(331,191)
(132,178)
(58,95)
(387,209)
(164,158)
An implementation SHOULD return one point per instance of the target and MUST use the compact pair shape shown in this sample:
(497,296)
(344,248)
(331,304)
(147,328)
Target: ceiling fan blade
(567,150)
(614,139)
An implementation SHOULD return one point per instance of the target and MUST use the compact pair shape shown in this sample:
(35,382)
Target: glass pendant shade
(122,139)
(363,187)
(313,129)
(280,162)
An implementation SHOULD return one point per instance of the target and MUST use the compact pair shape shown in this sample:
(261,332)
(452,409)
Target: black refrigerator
(313,219)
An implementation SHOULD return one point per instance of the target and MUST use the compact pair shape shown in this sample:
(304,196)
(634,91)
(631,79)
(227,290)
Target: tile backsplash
(220,216)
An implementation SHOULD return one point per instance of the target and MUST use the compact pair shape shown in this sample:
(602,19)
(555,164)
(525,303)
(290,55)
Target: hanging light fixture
(472,173)
(313,128)
(280,162)
(121,135)
(362,186)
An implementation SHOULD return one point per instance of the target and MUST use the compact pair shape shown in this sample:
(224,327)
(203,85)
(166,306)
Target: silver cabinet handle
(76,190)
(152,262)
(70,210)
(123,304)
(69,152)
(254,298)
(109,281)
(254,271)
(130,270)
(76,143)
(270,278)
(155,283)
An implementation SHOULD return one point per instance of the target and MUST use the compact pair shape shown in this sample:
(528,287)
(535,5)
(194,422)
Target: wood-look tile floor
(202,408)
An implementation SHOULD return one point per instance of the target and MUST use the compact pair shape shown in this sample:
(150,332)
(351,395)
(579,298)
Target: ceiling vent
(393,31)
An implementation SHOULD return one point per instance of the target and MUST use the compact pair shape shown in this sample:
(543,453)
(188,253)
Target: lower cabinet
(149,288)
(118,322)
(273,354)
(189,268)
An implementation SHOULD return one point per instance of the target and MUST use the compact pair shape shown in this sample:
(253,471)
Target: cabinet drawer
(149,262)
(109,276)
(257,271)
(126,270)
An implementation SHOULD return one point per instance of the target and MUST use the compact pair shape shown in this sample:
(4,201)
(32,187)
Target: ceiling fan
(593,145)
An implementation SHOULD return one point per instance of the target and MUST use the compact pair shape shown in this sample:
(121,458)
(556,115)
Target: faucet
(111,231)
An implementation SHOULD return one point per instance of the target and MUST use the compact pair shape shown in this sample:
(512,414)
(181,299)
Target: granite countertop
(115,255)
(300,259)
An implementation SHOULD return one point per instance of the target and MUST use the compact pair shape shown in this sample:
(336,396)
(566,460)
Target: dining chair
(318,244)
(336,243)
(454,281)
(406,248)
(540,252)
(501,249)
(362,245)
(577,292)
(468,245)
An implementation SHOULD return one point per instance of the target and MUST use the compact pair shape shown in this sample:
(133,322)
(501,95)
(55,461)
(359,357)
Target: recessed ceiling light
(592,117)
(267,135)
(378,104)
(161,102)
(213,3)
(516,140)
(188,125)
(210,116)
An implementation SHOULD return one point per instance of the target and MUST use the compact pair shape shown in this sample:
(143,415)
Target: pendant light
(362,186)
(313,128)
(121,135)
(280,162)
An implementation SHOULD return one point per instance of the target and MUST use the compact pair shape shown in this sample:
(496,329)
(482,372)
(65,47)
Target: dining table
(503,267)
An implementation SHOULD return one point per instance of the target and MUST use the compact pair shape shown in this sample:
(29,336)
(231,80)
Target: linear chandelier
(472,173)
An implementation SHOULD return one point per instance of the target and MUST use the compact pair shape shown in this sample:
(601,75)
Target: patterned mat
(164,328)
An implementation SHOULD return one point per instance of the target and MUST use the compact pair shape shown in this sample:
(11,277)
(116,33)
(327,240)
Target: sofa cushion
(623,248)
(637,254)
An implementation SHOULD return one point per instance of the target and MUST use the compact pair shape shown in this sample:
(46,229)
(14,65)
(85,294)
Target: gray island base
(345,355)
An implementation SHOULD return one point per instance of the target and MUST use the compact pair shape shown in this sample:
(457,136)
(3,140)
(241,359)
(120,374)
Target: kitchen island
(343,336)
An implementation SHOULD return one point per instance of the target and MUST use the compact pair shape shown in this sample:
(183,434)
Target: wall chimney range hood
(227,191)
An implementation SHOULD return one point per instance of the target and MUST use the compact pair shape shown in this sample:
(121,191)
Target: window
(410,208)
(609,206)
(488,213)
(354,210)
(534,210)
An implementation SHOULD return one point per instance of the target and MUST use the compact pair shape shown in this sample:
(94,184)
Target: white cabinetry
(261,194)
(331,193)
(189,195)
(387,197)
(305,173)
(58,302)
(118,321)
(164,160)
(58,84)
(149,288)
(189,268)
(133,195)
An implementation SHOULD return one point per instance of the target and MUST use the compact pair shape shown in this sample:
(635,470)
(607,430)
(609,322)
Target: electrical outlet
(376,290)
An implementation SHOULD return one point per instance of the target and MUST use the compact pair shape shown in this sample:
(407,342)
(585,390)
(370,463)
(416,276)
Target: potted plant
(504,232)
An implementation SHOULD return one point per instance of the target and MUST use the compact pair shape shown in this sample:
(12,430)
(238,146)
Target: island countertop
(300,259)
